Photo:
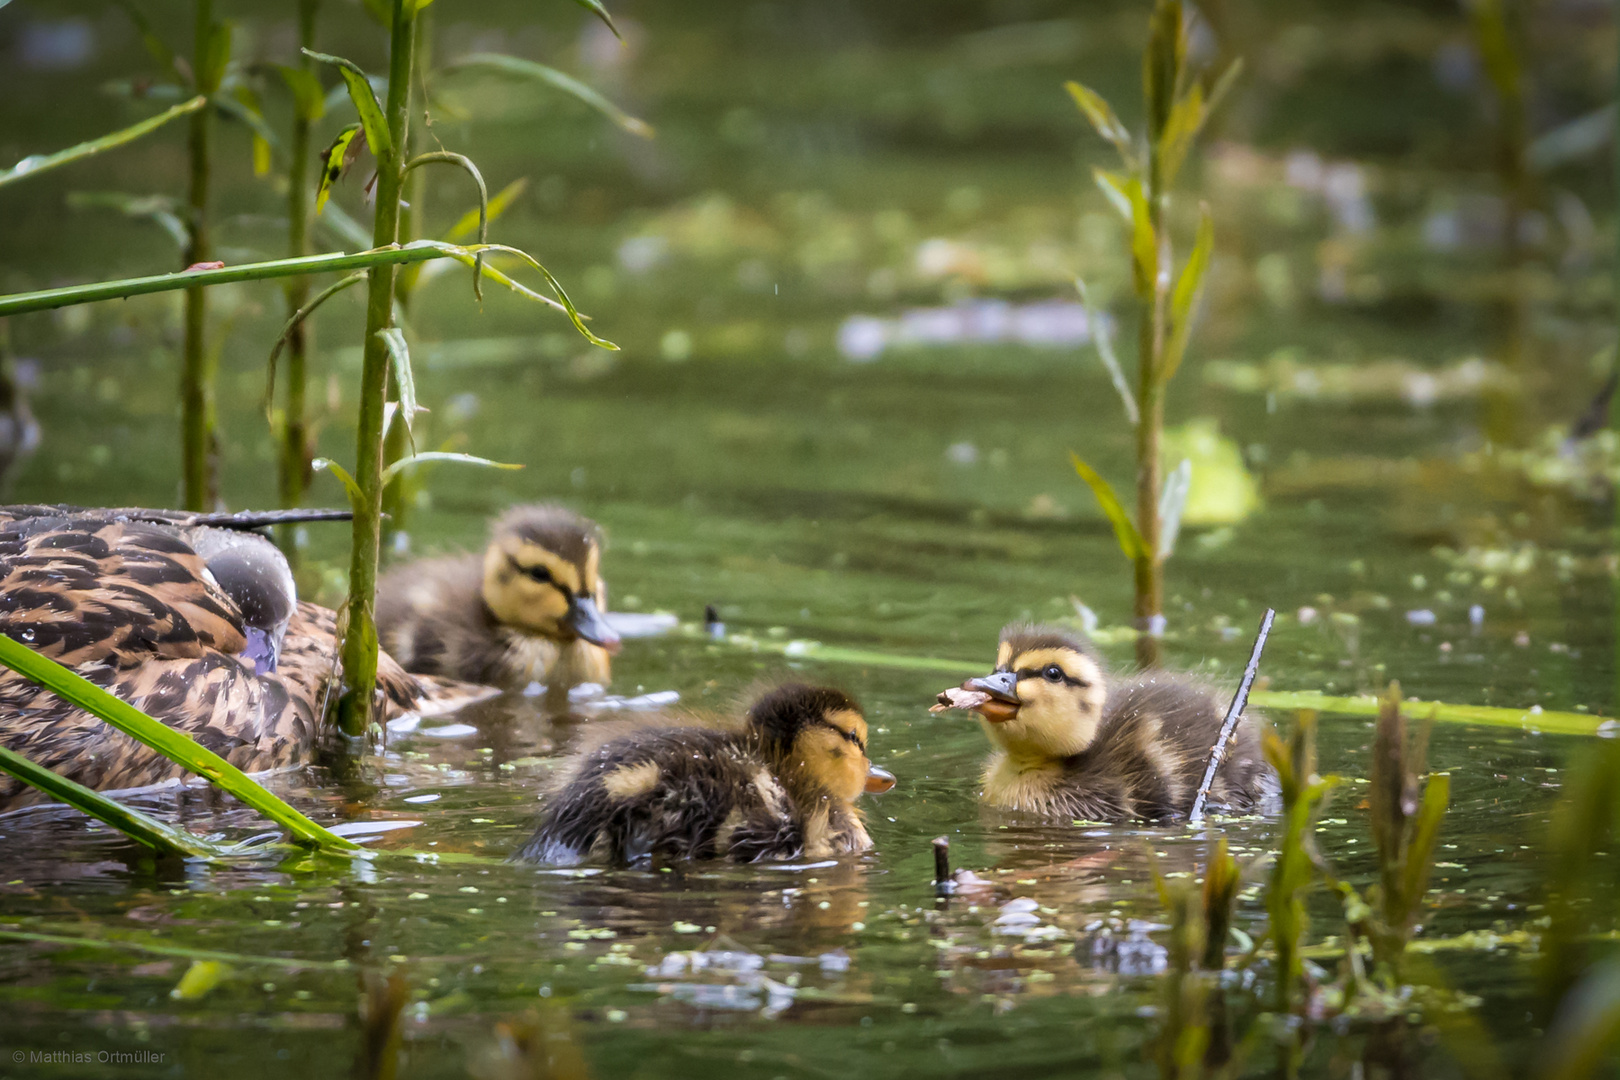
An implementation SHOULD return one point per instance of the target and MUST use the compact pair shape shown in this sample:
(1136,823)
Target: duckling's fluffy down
(685,788)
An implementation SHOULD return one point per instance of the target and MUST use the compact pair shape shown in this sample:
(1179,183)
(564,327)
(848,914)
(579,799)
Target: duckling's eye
(1052,673)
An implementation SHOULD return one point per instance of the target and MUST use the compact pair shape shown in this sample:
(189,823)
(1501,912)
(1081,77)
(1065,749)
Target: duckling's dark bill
(971,697)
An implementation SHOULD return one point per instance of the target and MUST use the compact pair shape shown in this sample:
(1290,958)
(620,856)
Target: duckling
(782,786)
(1071,743)
(528,610)
(192,618)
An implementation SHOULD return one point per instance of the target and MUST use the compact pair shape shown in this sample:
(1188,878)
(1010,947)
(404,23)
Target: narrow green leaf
(292,323)
(37,164)
(1144,242)
(404,381)
(1101,115)
(216,55)
(309,98)
(160,837)
(1130,541)
(172,744)
(201,977)
(1104,341)
(155,46)
(163,210)
(528,69)
(1172,502)
(365,101)
(1113,185)
(357,498)
(438,455)
(596,8)
(1184,300)
(468,223)
(337,158)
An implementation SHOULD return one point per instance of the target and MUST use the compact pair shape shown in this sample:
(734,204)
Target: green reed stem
(296,451)
(198,443)
(33,166)
(360,640)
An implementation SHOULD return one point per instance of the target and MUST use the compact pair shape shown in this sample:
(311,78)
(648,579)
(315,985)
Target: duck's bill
(993,702)
(878,780)
(585,620)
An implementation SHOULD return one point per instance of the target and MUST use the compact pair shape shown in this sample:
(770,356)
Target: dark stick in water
(944,884)
(1217,753)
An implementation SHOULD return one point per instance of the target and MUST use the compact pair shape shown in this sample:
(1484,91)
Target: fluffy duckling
(528,610)
(783,786)
(1071,743)
(190,617)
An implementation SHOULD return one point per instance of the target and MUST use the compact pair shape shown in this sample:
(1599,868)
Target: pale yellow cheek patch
(628,781)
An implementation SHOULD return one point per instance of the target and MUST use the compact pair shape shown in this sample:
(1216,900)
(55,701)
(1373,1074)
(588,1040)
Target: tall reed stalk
(1177,108)
(360,639)
(199,440)
(296,449)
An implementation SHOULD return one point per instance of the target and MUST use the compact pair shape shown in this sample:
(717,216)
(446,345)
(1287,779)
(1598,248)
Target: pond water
(852,368)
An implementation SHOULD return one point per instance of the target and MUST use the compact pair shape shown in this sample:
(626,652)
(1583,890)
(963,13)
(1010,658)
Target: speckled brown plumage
(129,605)
(690,790)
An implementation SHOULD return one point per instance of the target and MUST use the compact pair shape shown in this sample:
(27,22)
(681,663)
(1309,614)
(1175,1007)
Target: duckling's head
(819,734)
(1046,694)
(542,575)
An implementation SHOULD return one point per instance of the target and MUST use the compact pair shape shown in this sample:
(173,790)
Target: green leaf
(1102,118)
(365,102)
(309,98)
(1172,501)
(1113,186)
(163,210)
(528,69)
(1100,336)
(357,498)
(216,55)
(1144,242)
(337,158)
(1130,541)
(1162,65)
(244,104)
(155,46)
(1184,300)
(159,836)
(201,977)
(468,224)
(438,455)
(596,8)
(172,744)
(37,164)
(404,381)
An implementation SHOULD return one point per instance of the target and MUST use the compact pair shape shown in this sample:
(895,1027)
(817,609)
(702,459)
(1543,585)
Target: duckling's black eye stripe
(1036,673)
(849,736)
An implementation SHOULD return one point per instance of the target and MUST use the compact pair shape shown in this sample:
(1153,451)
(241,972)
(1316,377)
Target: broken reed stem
(199,464)
(360,640)
(296,453)
(1240,700)
(944,884)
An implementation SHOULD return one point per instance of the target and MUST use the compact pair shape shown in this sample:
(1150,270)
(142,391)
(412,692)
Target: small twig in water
(944,883)
(1217,753)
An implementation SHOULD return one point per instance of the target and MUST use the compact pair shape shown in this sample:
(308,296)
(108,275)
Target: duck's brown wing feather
(82,591)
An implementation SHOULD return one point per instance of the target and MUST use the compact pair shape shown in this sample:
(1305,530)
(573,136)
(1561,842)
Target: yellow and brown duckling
(1072,743)
(192,618)
(529,609)
(783,785)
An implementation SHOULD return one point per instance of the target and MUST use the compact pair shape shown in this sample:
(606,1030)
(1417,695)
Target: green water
(806,157)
